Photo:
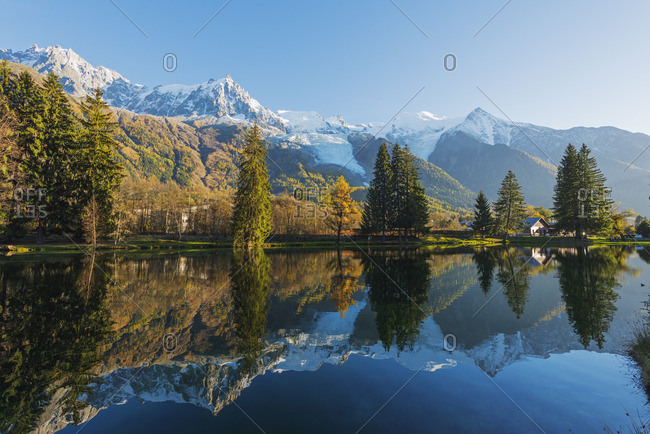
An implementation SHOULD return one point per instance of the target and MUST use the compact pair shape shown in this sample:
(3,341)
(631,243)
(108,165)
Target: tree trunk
(338,233)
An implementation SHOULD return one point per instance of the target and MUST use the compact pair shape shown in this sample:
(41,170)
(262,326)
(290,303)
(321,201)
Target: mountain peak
(78,76)
(479,112)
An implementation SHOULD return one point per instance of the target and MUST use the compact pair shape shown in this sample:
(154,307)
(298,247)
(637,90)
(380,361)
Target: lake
(487,340)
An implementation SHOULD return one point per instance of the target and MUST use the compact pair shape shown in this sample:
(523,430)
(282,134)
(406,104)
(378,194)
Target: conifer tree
(6,81)
(10,160)
(399,185)
(26,100)
(593,194)
(566,206)
(483,220)
(509,208)
(417,204)
(376,213)
(252,211)
(342,206)
(581,200)
(100,172)
(59,168)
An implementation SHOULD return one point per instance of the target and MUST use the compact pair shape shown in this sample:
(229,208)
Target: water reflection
(250,285)
(587,280)
(236,316)
(485,264)
(514,277)
(54,322)
(398,284)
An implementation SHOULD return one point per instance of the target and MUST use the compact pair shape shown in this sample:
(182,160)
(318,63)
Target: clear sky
(557,63)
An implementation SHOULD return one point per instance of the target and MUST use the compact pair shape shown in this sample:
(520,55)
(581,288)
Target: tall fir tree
(399,185)
(27,101)
(376,213)
(252,209)
(483,220)
(594,195)
(417,204)
(509,209)
(566,206)
(581,200)
(59,168)
(101,173)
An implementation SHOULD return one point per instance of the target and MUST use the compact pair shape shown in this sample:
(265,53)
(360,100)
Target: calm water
(322,341)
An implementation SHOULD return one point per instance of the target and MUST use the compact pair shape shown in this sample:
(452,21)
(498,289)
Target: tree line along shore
(61,182)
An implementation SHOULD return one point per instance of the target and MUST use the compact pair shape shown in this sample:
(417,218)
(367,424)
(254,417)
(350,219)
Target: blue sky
(553,63)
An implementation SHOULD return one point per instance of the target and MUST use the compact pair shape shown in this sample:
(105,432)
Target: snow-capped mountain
(223,99)
(78,76)
(531,150)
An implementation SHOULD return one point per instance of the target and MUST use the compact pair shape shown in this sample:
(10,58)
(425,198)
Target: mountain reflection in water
(198,328)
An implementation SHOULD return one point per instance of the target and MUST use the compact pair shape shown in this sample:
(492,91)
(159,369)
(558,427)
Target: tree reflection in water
(514,277)
(398,290)
(54,321)
(485,264)
(587,280)
(250,283)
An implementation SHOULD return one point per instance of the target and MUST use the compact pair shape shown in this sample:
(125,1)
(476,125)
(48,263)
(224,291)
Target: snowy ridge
(327,140)
(80,77)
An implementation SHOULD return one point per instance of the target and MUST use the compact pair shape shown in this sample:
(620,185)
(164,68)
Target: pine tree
(100,172)
(58,170)
(342,206)
(581,201)
(376,213)
(26,100)
(566,206)
(252,212)
(10,159)
(483,219)
(593,194)
(417,204)
(6,81)
(509,208)
(399,188)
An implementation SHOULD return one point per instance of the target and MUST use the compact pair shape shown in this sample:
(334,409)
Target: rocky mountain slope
(473,152)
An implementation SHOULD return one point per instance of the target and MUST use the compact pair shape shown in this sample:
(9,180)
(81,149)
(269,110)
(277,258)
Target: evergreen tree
(417,204)
(59,170)
(252,211)
(342,206)
(6,81)
(566,206)
(509,208)
(593,194)
(27,102)
(399,188)
(10,160)
(100,172)
(581,201)
(376,213)
(483,219)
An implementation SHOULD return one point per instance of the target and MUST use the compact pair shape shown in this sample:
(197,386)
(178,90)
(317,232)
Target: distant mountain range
(462,155)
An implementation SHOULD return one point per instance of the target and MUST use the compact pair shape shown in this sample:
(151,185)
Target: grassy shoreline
(151,244)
